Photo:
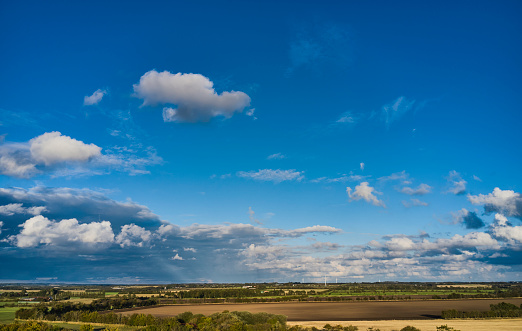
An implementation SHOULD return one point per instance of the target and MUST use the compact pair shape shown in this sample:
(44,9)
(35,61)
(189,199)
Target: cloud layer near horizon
(103,237)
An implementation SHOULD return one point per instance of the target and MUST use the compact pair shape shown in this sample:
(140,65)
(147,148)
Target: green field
(391,292)
(7,314)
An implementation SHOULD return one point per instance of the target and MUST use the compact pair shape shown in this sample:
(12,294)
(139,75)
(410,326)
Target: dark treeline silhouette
(500,310)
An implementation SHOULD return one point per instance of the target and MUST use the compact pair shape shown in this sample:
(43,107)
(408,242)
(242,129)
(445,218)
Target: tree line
(499,310)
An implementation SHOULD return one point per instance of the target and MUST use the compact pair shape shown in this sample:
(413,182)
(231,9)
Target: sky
(260,141)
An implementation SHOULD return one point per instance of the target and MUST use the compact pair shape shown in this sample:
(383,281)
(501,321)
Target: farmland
(335,311)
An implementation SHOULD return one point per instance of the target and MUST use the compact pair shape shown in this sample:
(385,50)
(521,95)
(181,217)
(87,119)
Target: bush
(410,328)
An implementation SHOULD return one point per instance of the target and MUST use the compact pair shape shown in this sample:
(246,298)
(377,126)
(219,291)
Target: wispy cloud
(273,175)
(276,156)
(396,109)
(341,179)
(414,202)
(251,215)
(346,118)
(402,176)
(95,98)
(457,184)
(319,45)
(422,189)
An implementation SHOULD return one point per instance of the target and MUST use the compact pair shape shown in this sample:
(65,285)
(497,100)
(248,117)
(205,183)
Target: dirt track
(336,311)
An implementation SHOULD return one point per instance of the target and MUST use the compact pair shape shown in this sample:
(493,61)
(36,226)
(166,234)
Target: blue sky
(260,141)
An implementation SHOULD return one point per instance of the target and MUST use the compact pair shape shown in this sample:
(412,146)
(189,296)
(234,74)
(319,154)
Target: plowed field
(336,311)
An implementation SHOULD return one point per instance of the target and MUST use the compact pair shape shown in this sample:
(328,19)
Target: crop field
(7,314)
(426,325)
(337,311)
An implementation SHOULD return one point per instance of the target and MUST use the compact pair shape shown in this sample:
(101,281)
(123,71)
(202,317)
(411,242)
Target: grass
(7,314)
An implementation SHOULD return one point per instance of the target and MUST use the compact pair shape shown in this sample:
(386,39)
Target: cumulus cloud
(457,184)
(62,156)
(16,161)
(16,208)
(40,230)
(66,203)
(506,202)
(23,159)
(95,98)
(53,147)
(469,219)
(396,109)
(366,192)
(133,235)
(192,94)
(273,175)
(228,251)
(502,230)
(420,190)
(361,165)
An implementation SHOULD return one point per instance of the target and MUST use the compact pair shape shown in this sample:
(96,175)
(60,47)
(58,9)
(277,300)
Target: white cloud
(361,165)
(189,249)
(477,178)
(193,94)
(396,109)
(250,113)
(420,190)
(95,98)
(176,258)
(506,202)
(365,191)
(458,185)
(10,167)
(133,235)
(344,178)
(276,156)
(16,208)
(53,147)
(1,225)
(40,230)
(346,118)
(16,161)
(400,244)
(503,231)
(272,175)
(63,156)
(395,176)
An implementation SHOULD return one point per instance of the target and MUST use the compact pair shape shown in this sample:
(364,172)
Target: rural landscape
(282,165)
(267,306)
